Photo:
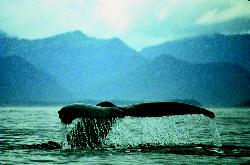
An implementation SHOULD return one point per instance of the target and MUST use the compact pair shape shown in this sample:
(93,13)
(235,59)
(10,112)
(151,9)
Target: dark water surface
(35,135)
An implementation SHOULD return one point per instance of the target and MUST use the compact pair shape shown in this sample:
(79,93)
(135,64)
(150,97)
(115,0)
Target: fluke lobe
(108,110)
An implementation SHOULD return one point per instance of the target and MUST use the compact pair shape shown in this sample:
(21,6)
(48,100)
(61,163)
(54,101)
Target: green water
(168,140)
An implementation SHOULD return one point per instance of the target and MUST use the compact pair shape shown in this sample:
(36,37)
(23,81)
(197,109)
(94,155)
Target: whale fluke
(70,112)
(97,121)
(108,110)
(158,109)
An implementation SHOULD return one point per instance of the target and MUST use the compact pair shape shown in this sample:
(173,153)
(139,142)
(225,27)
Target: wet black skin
(108,110)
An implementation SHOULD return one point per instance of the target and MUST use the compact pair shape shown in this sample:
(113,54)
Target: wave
(191,149)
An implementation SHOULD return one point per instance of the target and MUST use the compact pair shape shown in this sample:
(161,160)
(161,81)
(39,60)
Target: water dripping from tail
(163,131)
(132,132)
(86,133)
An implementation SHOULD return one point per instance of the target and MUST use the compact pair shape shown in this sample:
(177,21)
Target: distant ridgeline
(212,70)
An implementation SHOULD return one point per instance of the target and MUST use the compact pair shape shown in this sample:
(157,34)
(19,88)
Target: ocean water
(30,135)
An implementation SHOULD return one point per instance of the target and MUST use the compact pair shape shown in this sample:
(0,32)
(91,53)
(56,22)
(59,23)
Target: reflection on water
(34,134)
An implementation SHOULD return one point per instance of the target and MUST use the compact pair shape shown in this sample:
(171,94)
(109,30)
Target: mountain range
(21,82)
(206,49)
(213,70)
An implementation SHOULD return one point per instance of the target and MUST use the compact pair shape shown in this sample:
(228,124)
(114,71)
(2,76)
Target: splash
(140,131)
(163,131)
(86,133)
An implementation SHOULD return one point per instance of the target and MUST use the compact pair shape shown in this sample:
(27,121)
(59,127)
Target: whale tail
(96,121)
(109,110)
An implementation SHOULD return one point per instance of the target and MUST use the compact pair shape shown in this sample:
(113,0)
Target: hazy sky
(137,22)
